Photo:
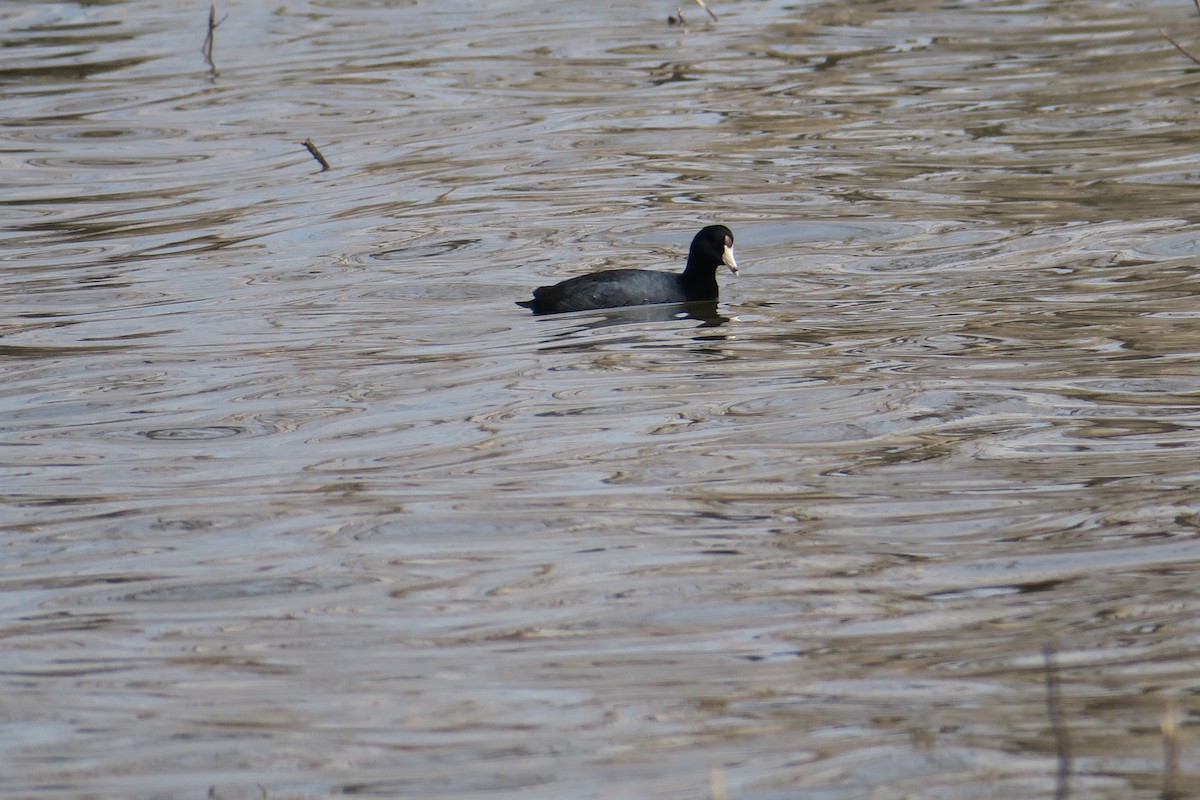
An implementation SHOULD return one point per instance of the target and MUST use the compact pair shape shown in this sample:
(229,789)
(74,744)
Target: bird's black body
(712,247)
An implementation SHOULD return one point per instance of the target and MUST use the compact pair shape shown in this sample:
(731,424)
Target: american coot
(612,288)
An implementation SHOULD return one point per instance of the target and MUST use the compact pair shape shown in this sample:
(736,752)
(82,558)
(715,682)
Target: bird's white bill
(728,260)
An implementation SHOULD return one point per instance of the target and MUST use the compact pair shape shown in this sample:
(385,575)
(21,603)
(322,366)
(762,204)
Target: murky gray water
(298,503)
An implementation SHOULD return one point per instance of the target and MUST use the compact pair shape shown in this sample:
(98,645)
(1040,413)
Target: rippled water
(298,503)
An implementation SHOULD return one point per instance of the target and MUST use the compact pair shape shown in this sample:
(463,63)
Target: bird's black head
(712,247)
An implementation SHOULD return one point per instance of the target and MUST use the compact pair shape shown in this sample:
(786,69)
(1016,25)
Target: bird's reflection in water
(576,337)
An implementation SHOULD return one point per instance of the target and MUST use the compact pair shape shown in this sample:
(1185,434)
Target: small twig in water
(213,22)
(714,16)
(1179,47)
(1170,732)
(1058,725)
(677,19)
(312,148)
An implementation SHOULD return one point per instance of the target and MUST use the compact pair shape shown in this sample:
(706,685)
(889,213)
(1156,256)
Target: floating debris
(312,148)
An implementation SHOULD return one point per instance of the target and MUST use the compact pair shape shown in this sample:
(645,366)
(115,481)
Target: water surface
(297,502)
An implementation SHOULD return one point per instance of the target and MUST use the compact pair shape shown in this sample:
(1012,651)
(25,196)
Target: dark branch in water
(678,19)
(213,22)
(714,16)
(1058,725)
(312,148)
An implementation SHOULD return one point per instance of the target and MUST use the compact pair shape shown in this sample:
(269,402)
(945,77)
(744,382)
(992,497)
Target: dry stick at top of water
(717,777)
(312,148)
(714,16)
(1170,732)
(1059,726)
